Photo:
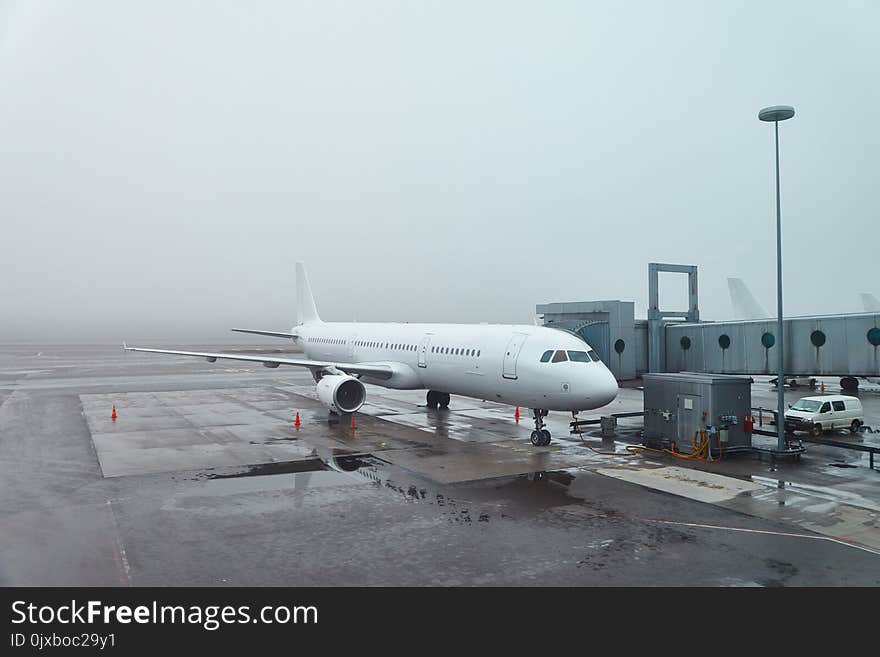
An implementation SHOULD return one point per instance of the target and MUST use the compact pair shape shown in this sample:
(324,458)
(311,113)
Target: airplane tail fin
(305,303)
(870,302)
(745,306)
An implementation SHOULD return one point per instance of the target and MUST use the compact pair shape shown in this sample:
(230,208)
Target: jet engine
(341,393)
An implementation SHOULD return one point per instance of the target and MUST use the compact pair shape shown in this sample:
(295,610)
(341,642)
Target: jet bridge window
(560,357)
(546,356)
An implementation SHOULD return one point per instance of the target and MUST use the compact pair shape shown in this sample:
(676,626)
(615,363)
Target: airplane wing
(373,370)
(276,334)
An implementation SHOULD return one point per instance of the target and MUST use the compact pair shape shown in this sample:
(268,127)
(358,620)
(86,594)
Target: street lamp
(776,114)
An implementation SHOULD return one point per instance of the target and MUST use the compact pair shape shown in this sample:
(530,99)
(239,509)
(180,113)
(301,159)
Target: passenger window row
(397,346)
(560,356)
(455,351)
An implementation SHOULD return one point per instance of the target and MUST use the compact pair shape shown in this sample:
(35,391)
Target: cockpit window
(545,358)
(559,357)
(594,356)
(578,356)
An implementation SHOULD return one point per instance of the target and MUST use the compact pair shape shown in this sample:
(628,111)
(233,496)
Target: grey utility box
(678,405)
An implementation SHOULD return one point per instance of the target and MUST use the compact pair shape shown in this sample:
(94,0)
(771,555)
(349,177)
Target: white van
(825,412)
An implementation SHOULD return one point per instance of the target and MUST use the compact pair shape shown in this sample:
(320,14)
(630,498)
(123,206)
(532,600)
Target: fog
(164,164)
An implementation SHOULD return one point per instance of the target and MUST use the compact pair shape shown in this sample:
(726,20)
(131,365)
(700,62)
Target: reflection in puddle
(262,469)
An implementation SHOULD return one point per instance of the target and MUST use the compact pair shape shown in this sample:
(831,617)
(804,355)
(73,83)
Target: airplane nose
(607,388)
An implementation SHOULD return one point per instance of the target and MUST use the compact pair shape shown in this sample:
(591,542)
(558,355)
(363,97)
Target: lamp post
(776,114)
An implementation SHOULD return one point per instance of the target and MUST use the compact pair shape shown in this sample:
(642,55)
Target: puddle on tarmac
(262,469)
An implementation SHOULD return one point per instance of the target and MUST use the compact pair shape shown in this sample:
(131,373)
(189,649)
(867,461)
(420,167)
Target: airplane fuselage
(494,362)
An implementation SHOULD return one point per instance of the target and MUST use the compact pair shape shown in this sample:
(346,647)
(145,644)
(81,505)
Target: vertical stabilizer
(745,306)
(870,302)
(305,303)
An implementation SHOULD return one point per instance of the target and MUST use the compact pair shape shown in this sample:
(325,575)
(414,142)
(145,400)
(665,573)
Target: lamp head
(776,113)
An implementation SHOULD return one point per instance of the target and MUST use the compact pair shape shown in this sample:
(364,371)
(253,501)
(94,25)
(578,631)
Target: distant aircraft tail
(870,302)
(305,303)
(745,306)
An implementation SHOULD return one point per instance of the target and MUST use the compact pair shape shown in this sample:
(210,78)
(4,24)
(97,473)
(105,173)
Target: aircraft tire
(433,400)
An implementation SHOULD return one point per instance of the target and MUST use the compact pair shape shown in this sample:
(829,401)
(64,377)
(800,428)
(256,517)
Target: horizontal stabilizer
(275,334)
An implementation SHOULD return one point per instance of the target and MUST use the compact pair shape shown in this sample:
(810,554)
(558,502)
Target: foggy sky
(164,164)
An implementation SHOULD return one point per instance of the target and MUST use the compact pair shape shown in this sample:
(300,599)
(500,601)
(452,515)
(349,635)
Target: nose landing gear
(540,436)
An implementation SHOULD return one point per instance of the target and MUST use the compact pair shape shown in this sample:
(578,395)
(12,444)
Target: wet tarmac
(203,479)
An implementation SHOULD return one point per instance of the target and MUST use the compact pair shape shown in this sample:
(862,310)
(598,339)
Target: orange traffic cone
(296,421)
(352,421)
(516,414)
(113,414)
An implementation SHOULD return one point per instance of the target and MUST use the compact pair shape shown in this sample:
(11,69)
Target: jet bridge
(607,326)
(819,345)
(677,341)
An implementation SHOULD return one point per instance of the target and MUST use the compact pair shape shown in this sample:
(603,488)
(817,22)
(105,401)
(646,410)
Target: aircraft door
(423,351)
(511,354)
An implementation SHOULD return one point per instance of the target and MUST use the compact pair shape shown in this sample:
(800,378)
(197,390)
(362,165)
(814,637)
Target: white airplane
(545,369)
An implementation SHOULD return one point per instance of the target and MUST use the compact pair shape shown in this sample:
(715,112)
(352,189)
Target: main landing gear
(436,399)
(540,436)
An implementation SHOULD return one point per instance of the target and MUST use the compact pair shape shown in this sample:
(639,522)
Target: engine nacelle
(341,393)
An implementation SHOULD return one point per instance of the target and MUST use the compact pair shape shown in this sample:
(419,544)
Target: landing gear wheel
(854,427)
(443,398)
(433,400)
(540,436)
(816,431)
(546,437)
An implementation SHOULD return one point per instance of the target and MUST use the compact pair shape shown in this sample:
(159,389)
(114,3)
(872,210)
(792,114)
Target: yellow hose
(699,453)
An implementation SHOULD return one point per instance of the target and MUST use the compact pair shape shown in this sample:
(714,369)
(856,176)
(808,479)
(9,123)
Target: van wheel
(816,430)
(854,427)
